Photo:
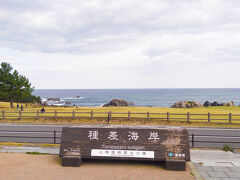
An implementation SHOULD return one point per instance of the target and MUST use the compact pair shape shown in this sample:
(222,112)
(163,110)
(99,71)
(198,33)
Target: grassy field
(176,115)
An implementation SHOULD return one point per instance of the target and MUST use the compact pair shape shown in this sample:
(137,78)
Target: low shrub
(227,148)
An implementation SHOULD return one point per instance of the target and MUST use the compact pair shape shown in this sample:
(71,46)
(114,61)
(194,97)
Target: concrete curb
(195,172)
(25,149)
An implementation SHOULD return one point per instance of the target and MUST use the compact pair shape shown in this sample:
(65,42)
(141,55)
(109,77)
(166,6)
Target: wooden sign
(153,143)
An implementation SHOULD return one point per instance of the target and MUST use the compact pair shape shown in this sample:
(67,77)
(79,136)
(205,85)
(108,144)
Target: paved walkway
(211,164)
(218,165)
(21,166)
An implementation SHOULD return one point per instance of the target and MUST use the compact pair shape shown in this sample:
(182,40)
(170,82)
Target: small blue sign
(170,154)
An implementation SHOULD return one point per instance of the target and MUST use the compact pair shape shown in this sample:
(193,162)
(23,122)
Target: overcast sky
(123,43)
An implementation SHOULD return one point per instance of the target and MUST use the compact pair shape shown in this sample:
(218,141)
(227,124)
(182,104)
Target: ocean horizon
(154,97)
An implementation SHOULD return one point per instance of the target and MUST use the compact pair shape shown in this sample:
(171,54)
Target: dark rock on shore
(215,103)
(53,99)
(187,104)
(118,102)
(206,104)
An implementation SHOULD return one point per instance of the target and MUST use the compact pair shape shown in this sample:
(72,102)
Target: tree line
(15,87)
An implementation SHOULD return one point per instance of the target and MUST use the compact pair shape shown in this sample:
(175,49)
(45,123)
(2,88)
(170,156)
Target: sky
(79,44)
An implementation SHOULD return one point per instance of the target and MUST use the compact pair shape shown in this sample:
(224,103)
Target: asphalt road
(213,137)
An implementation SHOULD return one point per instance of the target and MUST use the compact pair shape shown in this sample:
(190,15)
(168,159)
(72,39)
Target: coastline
(141,97)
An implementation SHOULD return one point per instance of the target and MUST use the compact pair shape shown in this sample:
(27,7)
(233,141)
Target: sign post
(153,143)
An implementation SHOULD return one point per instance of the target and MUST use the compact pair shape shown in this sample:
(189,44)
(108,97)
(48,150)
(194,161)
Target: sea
(140,97)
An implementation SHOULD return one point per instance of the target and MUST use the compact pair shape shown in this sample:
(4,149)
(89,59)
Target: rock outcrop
(186,104)
(231,103)
(53,99)
(118,102)
(215,103)
(206,104)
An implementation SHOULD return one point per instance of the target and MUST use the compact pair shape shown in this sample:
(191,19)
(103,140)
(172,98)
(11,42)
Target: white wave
(59,104)
(72,98)
(44,99)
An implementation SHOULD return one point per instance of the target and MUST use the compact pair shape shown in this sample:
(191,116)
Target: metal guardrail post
(230,118)
(168,117)
(192,140)
(148,116)
(54,136)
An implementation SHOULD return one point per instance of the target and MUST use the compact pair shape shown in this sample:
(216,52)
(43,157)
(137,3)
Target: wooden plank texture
(154,143)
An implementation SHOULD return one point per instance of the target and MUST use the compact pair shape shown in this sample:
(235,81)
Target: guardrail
(110,115)
(192,139)
(54,137)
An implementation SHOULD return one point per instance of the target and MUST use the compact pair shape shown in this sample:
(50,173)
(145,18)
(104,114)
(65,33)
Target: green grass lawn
(175,113)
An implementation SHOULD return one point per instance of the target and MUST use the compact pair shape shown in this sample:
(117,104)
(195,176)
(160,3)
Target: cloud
(140,42)
(98,25)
